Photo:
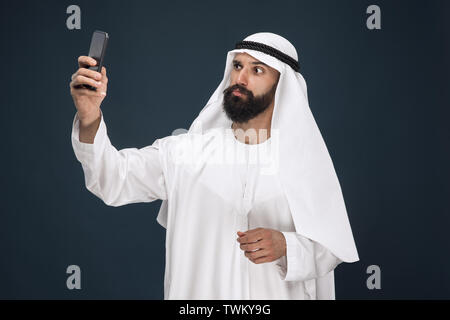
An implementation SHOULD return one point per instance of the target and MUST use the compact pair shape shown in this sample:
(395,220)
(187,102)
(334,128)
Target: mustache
(239,88)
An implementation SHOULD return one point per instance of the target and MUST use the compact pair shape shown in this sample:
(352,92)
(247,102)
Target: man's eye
(236,65)
(259,69)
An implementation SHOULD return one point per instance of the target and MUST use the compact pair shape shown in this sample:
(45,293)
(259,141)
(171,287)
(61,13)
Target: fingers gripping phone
(97,51)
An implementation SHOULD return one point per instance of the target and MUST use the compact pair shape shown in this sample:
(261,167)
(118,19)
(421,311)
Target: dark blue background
(379,97)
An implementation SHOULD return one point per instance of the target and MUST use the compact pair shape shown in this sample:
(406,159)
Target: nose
(242,78)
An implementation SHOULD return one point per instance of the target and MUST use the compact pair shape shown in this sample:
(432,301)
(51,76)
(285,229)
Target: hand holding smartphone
(89,83)
(97,51)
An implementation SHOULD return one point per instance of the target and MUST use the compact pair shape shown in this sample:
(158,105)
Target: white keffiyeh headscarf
(306,171)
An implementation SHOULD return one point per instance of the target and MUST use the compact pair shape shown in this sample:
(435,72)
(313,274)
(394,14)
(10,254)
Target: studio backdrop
(378,87)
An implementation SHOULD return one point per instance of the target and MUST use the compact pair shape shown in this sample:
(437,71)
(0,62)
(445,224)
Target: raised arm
(117,177)
(121,177)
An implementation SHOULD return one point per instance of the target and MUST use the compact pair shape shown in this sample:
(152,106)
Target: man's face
(252,88)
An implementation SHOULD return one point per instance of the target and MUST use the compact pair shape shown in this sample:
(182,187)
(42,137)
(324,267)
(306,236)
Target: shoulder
(215,134)
(191,144)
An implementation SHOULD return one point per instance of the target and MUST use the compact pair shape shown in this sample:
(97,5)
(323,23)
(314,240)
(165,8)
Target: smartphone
(97,51)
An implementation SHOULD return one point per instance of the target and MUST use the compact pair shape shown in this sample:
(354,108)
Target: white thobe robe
(208,203)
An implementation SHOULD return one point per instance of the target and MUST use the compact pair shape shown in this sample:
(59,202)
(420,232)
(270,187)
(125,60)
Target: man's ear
(276,82)
(278,79)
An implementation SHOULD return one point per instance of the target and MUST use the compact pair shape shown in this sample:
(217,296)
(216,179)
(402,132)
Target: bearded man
(251,201)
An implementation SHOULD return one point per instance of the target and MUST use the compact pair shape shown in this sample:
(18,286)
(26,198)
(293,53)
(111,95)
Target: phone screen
(97,48)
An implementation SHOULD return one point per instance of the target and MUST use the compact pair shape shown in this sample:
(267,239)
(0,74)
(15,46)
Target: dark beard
(242,109)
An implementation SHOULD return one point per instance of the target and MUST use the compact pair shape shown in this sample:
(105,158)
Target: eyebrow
(254,62)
